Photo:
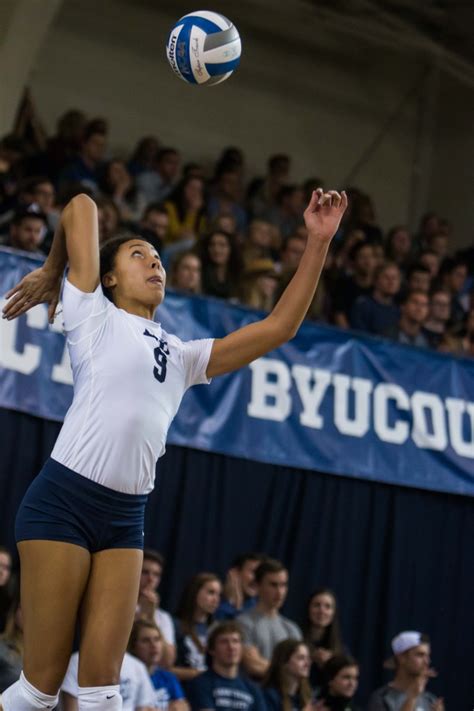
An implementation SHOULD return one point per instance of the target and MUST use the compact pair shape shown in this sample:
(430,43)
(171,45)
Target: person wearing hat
(28,229)
(260,284)
(406,692)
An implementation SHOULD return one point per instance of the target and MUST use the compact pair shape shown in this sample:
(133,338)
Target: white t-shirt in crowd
(136,688)
(129,380)
(164,621)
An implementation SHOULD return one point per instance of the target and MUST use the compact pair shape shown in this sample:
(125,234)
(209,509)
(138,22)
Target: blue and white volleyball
(204,48)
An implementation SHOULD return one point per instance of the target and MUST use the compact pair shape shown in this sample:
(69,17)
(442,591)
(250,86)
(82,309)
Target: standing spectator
(157,183)
(85,169)
(136,688)
(260,284)
(263,625)
(118,185)
(378,312)
(186,273)
(27,229)
(221,265)
(341,679)
(154,225)
(185,208)
(435,325)
(223,686)
(413,313)
(359,283)
(287,215)
(240,589)
(148,606)
(398,247)
(6,585)
(286,685)
(144,155)
(195,614)
(321,631)
(407,691)
(11,643)
(146,643)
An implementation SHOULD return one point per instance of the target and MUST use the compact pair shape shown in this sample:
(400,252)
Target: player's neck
(135,308)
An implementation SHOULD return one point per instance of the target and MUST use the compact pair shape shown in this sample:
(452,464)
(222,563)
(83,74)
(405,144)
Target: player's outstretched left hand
(324,213)
(37,287)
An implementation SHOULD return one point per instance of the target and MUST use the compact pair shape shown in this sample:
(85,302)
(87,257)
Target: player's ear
(109,280)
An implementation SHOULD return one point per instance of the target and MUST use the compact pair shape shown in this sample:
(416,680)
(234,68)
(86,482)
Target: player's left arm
(322,218)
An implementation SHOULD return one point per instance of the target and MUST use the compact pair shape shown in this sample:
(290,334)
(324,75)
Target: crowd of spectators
(223,233)
(229,647)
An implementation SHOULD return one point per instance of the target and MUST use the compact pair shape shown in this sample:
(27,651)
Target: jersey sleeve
(145,691)
(196,356)
(70,683)
(83,312)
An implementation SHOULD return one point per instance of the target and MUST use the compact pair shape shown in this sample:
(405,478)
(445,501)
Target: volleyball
(204,48)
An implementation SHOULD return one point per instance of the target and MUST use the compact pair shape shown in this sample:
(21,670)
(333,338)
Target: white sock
(99,698)
(22,696)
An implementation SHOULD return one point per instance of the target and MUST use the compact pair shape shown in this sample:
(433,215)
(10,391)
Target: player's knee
(100,698)
(104,674)
(23,696)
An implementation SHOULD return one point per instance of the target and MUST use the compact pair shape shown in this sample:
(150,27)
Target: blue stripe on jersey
(206,25)
(183,61)
(222,68)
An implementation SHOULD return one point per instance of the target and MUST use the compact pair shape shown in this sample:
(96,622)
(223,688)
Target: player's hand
(324,213)
(39,287)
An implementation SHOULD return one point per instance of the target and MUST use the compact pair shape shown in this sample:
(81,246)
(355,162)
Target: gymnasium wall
(321,96)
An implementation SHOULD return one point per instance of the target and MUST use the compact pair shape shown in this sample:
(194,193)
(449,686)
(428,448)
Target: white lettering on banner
(397,433)
(432,423)
(359,425)
(28,361)
(263,390)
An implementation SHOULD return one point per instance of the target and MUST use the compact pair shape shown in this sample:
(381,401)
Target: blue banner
(329,400)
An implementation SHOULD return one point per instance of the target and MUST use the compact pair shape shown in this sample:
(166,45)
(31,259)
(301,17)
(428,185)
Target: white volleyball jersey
(129,379)
(136,688)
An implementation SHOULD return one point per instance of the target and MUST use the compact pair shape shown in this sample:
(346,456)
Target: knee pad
(99,698)
(22,696)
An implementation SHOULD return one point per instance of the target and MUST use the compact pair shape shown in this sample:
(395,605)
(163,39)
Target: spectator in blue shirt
(377,313)
(240,589)
(85,169)
(222,686)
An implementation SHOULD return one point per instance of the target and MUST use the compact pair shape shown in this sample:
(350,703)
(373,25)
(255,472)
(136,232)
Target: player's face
(149,646)
(138,276)
(322,609)
(208,597)
(273,589)
(345,682)
(299,663)
(228,649)
(151,575)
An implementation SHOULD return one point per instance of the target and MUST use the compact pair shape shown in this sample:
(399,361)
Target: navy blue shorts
(61,505)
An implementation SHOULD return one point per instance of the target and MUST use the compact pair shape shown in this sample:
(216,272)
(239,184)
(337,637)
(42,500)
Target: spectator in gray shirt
(411,660)
(263,626)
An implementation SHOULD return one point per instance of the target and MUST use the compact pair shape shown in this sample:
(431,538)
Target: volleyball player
(79,528)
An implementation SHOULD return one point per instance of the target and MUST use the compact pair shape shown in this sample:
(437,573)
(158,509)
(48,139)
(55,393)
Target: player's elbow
(282,330)
(82,202)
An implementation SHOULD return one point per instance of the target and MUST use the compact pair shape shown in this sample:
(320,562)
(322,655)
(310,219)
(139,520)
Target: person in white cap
(411,661)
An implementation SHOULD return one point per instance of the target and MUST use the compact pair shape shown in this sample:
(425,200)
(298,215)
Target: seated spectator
(341,679)
(407,690)
(260,241)
(452,275)
(85,169)
(439,312)
(399,247)
(156,184)
(144,156)
(221,265)
(146,643)
(231,158)
(431,261)
(11,642)
(223,686)
(136,688)
(240,589)
(7,584)
(40,191)
(227,198)
(154,225)
(358,283)
(439,244)
(186,273)
(378,312)
(418,278)
(260,284)
(286,685)
(148,606)
(118,185)
(362,216)
(262,192)
(321,632)
(287,215)
(430,225)
(291,254)
(109,219)
(224,222)
(63,147)
(413,314)
(27,229)
(185,207)
(263,626)
(194,617)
